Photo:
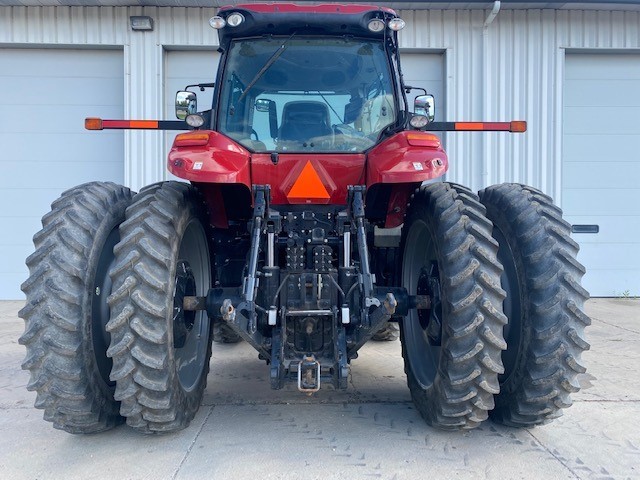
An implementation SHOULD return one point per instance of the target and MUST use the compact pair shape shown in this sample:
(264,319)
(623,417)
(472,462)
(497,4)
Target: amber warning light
(518,126)
(93,123)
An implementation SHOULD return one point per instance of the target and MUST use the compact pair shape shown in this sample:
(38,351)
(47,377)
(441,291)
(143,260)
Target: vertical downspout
(485,97)
(492,15)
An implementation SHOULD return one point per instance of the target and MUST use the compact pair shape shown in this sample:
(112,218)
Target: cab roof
(288,18)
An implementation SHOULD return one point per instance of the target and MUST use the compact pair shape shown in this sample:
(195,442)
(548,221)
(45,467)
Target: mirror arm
(408,88)
(201,86)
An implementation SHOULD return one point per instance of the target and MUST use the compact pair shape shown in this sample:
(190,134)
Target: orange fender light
(192,139)
(421,139)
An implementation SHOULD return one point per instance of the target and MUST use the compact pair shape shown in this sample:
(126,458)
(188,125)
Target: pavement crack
(562,462)
(351,401)
(614,325)
(606,400)
(193,442)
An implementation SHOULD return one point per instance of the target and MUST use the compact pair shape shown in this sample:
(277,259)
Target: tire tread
(462,392)
(141,334)
(537,391)
(58,293)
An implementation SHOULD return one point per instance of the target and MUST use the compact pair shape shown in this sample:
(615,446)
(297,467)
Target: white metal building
(571,70)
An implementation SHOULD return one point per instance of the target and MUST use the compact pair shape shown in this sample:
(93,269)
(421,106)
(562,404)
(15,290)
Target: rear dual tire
(452,352)
(66,310)
(160,352)
(544,304)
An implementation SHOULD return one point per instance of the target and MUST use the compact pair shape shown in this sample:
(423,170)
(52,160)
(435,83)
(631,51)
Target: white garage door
(184,68)
(46,94)
(425,70)
(601,168)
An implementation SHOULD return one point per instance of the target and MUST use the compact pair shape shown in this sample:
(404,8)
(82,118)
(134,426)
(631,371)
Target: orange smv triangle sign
(308,186)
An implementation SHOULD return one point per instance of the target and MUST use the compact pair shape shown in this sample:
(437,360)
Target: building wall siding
(512,69)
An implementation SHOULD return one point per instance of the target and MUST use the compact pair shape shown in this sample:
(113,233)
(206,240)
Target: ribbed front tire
(545,334)
(452,351)
(160,352)
(66,309)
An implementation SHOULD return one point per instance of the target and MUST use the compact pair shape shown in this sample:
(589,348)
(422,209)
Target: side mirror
(269,106)
(425,105)
(263,105)
(186,104)
(353,109)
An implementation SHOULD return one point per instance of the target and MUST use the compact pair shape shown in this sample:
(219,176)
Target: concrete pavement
(246,430)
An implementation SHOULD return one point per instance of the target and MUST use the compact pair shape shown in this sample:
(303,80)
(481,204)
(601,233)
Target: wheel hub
(100,308)
(431,319)
(183,320)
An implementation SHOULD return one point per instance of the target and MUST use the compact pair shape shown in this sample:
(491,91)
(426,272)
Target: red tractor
(308,153)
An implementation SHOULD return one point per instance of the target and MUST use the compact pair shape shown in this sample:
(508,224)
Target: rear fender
(216,159)
(407,157)
(396,167)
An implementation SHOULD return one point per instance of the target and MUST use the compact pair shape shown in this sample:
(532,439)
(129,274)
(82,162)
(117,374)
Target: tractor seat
(304,120)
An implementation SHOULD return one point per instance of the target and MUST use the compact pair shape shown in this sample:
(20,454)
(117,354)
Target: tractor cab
(318,95)
(308,79)
(310,100)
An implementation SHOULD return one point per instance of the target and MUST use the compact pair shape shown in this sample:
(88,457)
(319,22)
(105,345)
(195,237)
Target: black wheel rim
(191,351)
(183,320)
(100,311)
(421,347)
(512,306)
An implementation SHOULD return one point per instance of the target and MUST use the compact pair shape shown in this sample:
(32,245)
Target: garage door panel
(591,201)
(586,120)
(611,283)
(58,174)
(620,174)
(13,270)
(421,67)
(22,223)
(10,285)
(62,91)
(12,267)
(56,119)
(88,147)
(623,93)
(55,63)
(425,70)
(599,148)
(614,256)
(601,167)
(14,261)
(186,68)
(602,67)
(192,64)
(612,229)
(34,201)
(52,152)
